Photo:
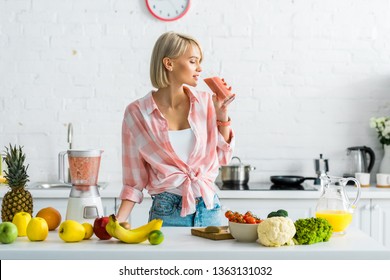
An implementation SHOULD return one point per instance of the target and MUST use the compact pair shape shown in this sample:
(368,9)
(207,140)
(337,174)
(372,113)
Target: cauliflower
(276,231)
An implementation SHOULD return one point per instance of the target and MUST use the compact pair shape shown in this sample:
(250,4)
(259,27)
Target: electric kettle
(360,160)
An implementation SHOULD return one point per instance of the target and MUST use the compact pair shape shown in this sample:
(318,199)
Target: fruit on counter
(156,237)
(88,230)
(132,236)
(21,220)
(18,199)
(212,229)
(125,225)
(247,218)
(99,228)
(312,230)
(52,217)
(71,231)
(276,232)
(37,229)
(278,213)
(3,180)
(8,232)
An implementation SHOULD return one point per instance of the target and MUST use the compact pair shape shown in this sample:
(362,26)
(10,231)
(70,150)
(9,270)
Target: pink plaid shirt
(149,161)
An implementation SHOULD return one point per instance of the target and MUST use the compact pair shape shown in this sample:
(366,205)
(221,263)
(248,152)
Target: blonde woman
(174,139)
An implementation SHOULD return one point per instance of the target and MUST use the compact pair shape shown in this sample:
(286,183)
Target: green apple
(8,232)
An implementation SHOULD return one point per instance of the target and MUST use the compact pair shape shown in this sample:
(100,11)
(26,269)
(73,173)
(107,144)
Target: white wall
(308,76)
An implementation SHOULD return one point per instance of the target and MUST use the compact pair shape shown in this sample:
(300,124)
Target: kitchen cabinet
(140,214)
(380,220)
(372,216)
(362,216)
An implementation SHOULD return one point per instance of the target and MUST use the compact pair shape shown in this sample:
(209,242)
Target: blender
(84,203)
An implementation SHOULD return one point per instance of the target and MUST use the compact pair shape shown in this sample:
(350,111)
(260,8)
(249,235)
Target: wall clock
(168,10)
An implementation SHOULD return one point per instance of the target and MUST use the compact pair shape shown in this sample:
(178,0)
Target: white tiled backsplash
(308,76)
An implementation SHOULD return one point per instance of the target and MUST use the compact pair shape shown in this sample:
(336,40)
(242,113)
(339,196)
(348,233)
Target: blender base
(84,209)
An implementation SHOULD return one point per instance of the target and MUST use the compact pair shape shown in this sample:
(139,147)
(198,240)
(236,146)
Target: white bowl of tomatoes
(243,227)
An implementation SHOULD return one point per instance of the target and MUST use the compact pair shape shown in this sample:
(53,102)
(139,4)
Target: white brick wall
(308,76)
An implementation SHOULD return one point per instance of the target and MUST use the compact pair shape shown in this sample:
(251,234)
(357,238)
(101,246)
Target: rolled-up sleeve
(225,149)
(135,176)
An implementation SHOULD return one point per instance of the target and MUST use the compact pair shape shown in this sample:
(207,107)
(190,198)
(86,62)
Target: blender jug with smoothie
(84,204)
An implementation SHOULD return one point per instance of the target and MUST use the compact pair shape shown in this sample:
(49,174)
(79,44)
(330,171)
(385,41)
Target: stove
(267,187)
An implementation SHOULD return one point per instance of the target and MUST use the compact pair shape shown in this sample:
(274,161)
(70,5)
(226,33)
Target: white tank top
(183,142)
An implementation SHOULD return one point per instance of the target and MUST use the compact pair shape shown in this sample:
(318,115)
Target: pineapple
(18,199)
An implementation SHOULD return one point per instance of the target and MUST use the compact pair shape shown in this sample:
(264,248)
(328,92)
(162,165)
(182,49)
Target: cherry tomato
(228,214)
(247,218)
(250,220)
(249,213)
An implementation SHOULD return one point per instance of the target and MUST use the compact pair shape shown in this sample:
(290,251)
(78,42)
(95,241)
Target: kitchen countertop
(113,191)
(179,244)
(110,191)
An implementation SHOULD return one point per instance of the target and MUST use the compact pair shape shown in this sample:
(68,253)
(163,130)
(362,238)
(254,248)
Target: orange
(51,215)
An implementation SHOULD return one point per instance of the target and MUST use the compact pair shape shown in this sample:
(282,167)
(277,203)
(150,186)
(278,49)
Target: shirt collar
(191,93)
(150,105)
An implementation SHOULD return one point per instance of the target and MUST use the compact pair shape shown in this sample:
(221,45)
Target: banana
(132,236)
(109,229)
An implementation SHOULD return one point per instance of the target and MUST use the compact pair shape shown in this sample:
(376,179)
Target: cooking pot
(289,180)
(235,174)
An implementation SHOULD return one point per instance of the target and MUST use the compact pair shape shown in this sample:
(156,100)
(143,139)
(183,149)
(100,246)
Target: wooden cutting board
(222,235)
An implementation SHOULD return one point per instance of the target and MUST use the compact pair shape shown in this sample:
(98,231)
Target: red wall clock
(168,10)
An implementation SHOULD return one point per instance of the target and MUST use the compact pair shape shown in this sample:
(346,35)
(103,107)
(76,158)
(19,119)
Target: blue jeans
(167,206)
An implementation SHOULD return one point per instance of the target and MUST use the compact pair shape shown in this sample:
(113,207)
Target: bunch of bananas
(131,236)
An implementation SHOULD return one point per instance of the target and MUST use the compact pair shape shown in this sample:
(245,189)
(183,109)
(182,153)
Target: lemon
(88,230)
(156,237)
(2,180)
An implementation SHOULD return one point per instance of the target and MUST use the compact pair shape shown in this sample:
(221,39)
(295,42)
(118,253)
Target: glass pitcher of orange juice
(334,204)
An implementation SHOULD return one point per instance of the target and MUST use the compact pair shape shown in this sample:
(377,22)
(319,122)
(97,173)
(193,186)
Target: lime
(156,237)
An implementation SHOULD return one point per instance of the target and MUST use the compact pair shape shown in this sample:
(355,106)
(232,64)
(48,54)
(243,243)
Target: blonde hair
(171,45)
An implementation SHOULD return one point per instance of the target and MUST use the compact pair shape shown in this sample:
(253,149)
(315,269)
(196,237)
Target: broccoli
(312,230)
(279,213)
